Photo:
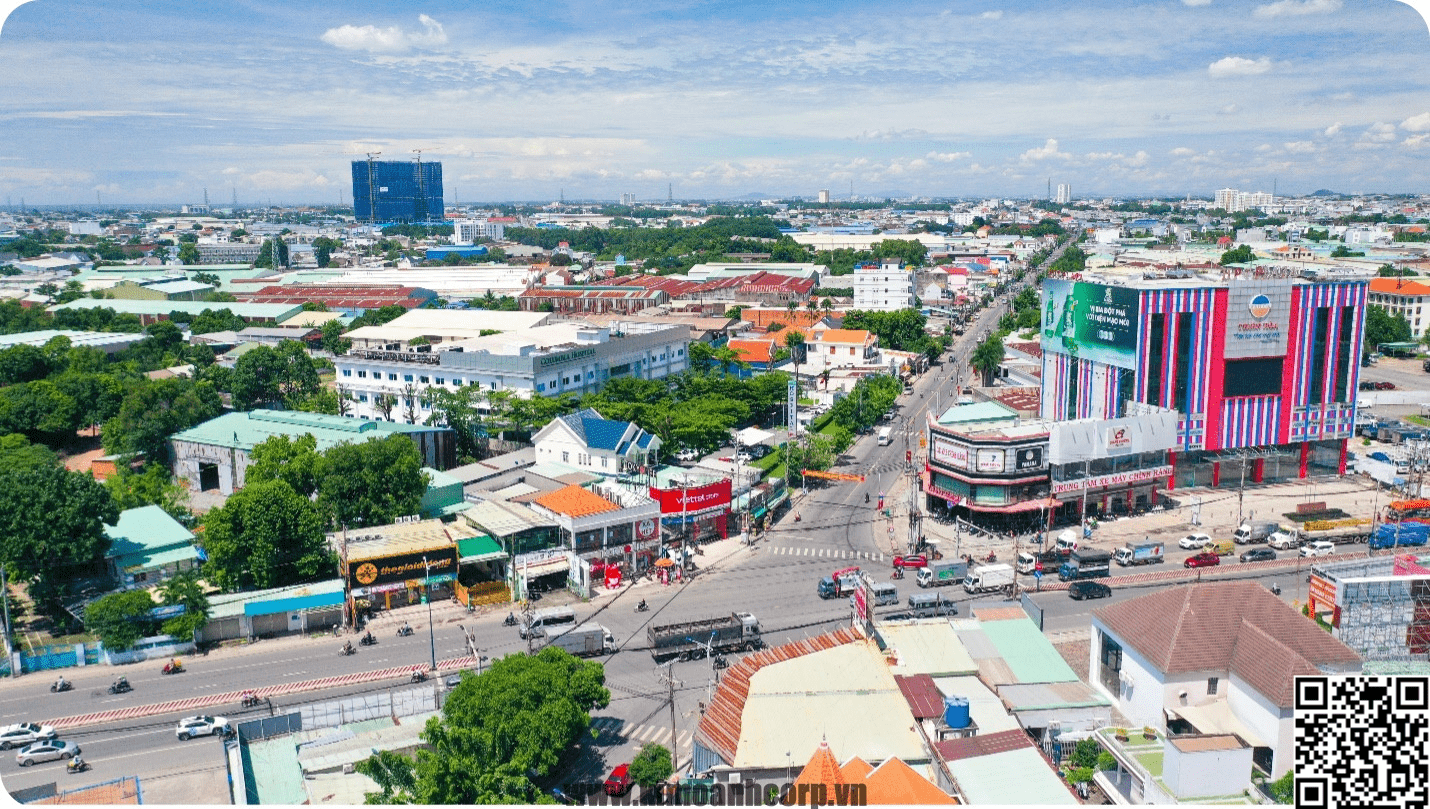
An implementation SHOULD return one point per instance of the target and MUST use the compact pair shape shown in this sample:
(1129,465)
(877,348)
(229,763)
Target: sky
(153,101)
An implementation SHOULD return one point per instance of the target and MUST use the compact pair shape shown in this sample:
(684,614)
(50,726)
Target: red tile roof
(1399,286)
(574,501)
(337,296)
(754,350)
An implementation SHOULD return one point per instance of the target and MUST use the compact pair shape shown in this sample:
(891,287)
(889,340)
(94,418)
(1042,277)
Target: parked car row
(1377,386)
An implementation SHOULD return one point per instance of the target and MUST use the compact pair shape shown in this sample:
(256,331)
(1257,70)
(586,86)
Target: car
(744,457)
(1203,560)
(24,733)
(688,455)
(1321,548)
(760,450)
(1192,542)
(48,750)
(1385,386)
(1079,590)
(619,781)
(1258,555)
(192,726)
(1367,385)
(1380,456)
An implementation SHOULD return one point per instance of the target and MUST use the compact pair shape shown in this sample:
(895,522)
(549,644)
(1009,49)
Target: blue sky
(155,101)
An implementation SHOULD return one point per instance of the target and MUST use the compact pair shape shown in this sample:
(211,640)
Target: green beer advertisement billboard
(1091,321)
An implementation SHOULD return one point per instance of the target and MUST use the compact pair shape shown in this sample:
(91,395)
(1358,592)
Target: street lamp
(427,596)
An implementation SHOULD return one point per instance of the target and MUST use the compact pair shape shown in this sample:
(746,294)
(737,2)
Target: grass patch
(1421,420)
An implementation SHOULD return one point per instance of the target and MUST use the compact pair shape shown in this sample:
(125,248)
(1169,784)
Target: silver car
(24,733)
(200,726)
(46,751)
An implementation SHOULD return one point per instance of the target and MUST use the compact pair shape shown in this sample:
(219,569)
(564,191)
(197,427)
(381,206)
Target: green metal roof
(978,411)
(278,312)
(145,530)
(1029,655)
(1018,777)
(246,430)
(159,559)
(482,547)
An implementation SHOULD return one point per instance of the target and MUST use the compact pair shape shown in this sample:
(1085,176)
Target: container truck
(1337,532)
(1252,532)
(988,578)
(1141,553)
(689,639)
(940,574)
(1086,563)
(590,639)
(1391,535)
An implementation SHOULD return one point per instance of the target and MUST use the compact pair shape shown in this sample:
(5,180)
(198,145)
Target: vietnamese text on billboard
(1091,321)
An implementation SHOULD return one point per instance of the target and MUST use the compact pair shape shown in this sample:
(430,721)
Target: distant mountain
(1325,193)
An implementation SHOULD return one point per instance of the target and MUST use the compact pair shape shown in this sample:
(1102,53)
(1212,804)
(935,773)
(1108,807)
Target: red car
(619,783)
(1203,560)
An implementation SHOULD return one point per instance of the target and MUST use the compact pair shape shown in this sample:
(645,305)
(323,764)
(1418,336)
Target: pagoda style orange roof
(892,783)
(574,501)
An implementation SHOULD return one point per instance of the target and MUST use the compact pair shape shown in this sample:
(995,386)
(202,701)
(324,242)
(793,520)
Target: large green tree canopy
(266,535)
(52,520)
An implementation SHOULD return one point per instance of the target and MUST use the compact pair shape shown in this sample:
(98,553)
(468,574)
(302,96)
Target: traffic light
(909,456)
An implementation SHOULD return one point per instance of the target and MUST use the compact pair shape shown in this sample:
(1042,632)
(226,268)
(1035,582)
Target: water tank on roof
(955,712)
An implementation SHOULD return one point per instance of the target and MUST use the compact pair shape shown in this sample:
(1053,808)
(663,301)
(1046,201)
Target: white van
(884,436)
(536,625)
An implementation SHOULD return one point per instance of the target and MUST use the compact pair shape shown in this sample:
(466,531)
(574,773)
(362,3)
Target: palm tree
(813,305)
(987,357)
(790,306)
(827,305)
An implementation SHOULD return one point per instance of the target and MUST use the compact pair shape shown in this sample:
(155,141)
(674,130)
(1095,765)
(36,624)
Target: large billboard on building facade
(692,499)
(1258,317)
(991,460)
(1095,322)
(947,453)
(402,567)
(1091,439)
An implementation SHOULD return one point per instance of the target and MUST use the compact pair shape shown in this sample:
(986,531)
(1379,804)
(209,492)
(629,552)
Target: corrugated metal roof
(1039,696)
(924,698)
(1029,654)
(505,519)
(1019,777)
(926,648)
(144,530)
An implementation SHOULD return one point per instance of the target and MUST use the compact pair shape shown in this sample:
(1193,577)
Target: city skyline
(152,103)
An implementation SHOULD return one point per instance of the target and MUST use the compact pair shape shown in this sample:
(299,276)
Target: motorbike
(120,686)
(720,662)
(403,631)
(796,518)
(172,667)
(1275,589)
(642,607)
(249,700)
(990,558)
(76,765)
(368,640)
(418,676)
(510,620)
(347,650)
(63,685)
(866,498)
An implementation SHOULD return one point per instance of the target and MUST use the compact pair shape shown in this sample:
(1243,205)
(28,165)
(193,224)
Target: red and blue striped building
(1263,372)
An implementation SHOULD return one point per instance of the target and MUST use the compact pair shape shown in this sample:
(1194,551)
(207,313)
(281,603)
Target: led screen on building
(1091,321)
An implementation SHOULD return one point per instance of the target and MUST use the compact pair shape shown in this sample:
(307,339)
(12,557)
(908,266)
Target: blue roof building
(589,442)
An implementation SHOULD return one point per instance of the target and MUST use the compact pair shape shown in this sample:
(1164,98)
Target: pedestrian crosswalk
(827,553)
(609,726)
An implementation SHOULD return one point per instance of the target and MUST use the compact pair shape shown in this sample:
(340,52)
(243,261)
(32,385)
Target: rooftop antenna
(851,190)
(371,188)
(1050,189)
(98,200)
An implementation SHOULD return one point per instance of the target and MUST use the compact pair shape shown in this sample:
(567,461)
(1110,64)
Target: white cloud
(1197,2)
(1229,109)
(274,180)
(386,40)
(79,115)
(1047,150)
(947,157)
(992,15)
(1417,123)
(1417,142)
(1182,151)
(1299,147)
(1238,66)
(1296,8)
(1376,136)
(1333,130)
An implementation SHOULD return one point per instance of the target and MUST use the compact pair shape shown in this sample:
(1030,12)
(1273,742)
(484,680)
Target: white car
(23,734)
(688,455)
(192,726)
(1192,542)
(46,751)
(1321,548)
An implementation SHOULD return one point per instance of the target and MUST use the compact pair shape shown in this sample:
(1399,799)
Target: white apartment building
(1064,193)
(1407,297)
(1232,200)
(884,288)
(470,231)
(549,360)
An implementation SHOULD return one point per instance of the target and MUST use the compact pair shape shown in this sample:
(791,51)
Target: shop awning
(545,567)
(758,512)
(479,549)
(1015,508)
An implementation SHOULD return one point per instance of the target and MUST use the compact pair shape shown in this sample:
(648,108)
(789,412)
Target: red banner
(831,475)
(693,499)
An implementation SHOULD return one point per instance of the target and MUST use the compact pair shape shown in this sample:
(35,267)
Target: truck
(1086,563)
(885,434)
(1337,532)
(1397,534)
(589,639)
(988,578)
(1045,560)
(1284,540)
(1068,541)
(690,639)
(1251,532)
(839,583)
(1141,553)
(940,574)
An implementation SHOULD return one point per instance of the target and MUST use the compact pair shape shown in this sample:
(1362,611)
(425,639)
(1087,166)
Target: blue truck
(1406,534)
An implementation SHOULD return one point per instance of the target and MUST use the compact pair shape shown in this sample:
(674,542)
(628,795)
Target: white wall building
(544,361)
(1232,200)
(595,444)
(1064,193)
(885,288)
(470,231)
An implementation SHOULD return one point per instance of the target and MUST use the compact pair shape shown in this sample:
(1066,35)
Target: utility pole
(669,678)
(427,596)
(343,551)
(5,596)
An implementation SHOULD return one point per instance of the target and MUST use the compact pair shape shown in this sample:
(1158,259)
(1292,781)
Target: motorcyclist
(121,684)
(76,764)
(406,629)
(368,638)
(347,647)
(642,606)
(866,497)
(61,685)
(510,618)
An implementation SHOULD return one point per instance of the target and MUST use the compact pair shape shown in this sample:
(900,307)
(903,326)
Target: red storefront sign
(692,499)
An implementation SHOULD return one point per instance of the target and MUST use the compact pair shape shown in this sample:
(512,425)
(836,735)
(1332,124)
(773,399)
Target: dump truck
(942,573)
(1140,553)
(590,639)
(988,578)
(690,639)
(1337,532)
(1086,563)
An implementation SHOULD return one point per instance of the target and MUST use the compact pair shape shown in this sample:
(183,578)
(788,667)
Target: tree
(1383,327)
(267,376)
(185,589)
(498,731)
(1283,789)
(40,410)
(383,404)
(266,535)
(1241,254)
(52,521)
(24,363)
(19,454)
(987,358)
(373,482)
(189,253)
(73,291)
(120,619)
(155,410)
(333,341)
(153,486)
(651,766)
(323,248)
(212,320)
(295,461)
(266,253)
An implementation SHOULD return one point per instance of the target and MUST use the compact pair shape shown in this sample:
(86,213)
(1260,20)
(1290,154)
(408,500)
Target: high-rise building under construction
(397,191)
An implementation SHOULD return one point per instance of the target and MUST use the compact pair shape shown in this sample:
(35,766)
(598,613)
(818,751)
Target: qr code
(1362,741)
